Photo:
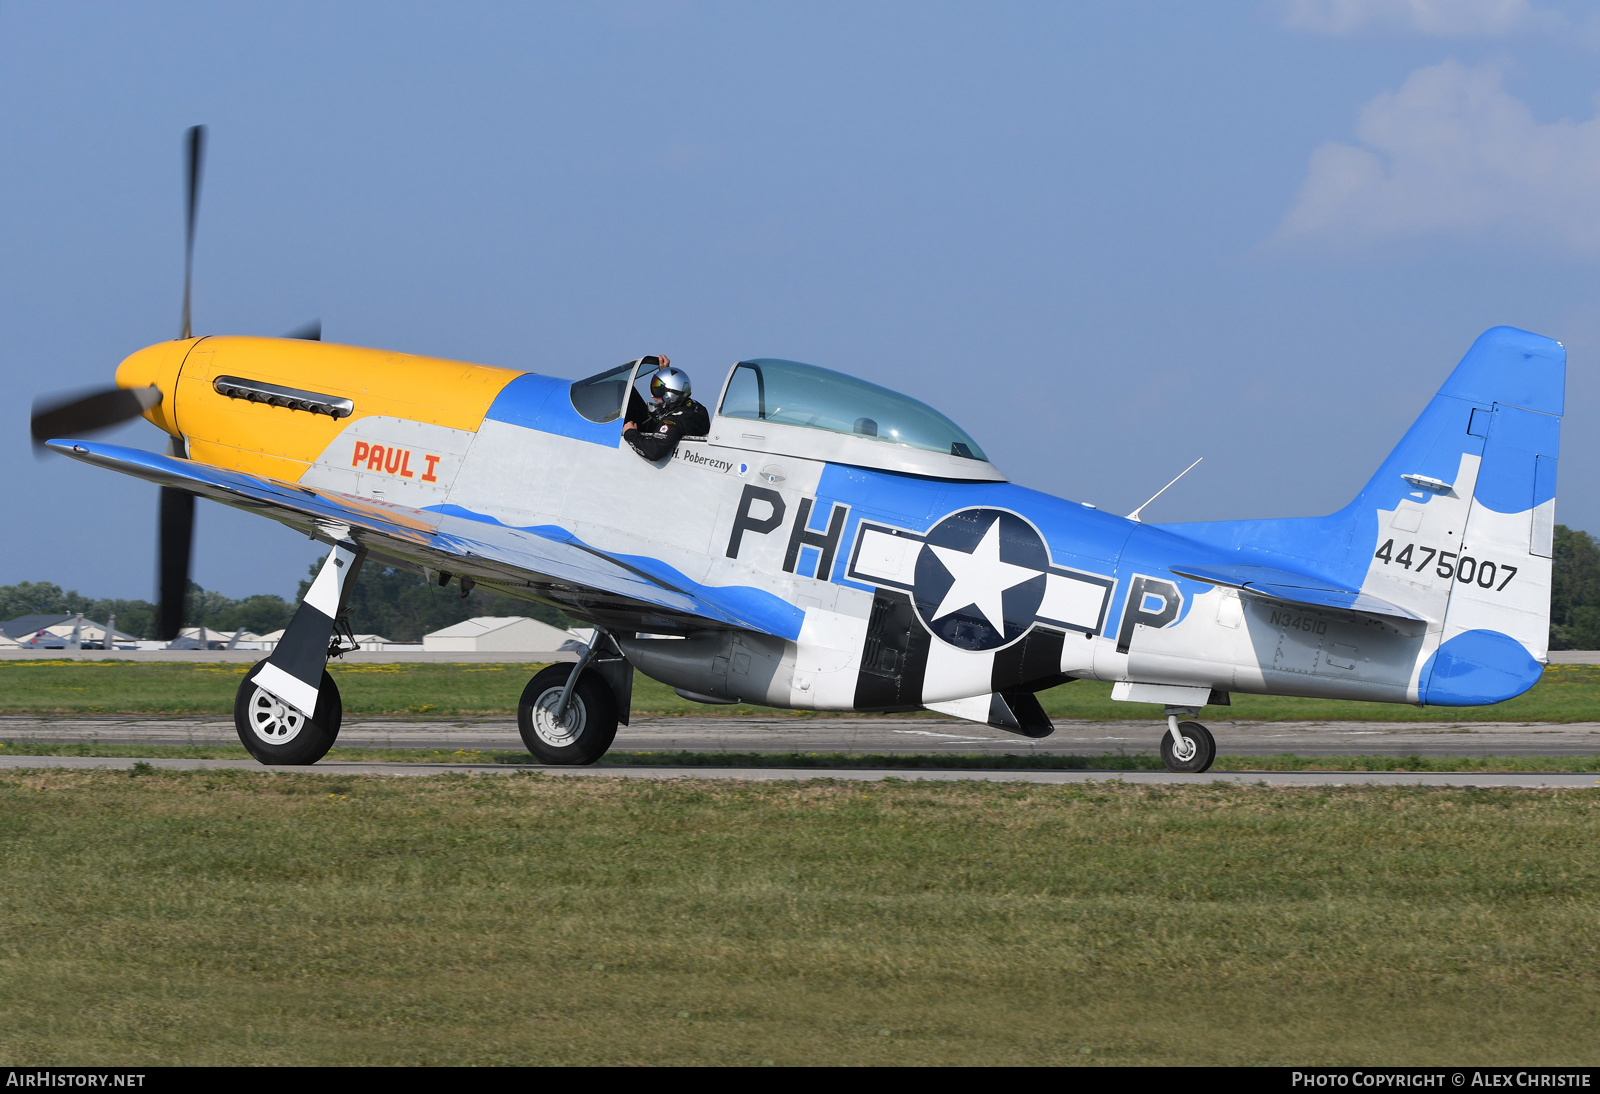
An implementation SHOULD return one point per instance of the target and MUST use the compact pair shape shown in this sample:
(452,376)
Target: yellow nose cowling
(157,366)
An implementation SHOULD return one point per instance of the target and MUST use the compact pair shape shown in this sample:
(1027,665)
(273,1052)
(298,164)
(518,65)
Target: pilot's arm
(658,436)
(654,438)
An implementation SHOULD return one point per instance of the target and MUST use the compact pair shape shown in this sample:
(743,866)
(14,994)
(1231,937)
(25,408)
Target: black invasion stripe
(303,650)
(894,658)
(1031,664)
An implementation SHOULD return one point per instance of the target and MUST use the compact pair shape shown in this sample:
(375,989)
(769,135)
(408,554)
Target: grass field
(1567,693)
(1137,761)
(236,918)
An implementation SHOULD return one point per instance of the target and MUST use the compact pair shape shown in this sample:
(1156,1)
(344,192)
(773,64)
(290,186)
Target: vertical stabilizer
(1455,526)
(1478,535)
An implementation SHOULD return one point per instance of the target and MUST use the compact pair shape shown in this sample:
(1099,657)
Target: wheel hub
(558,734)
(1183,749)
(273,721)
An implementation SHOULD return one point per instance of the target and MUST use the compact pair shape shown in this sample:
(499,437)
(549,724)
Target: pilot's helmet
(670,385)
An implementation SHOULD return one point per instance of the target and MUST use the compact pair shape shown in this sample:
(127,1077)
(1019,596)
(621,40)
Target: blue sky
(1105,238)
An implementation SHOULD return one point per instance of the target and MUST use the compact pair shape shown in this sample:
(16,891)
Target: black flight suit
(659,433)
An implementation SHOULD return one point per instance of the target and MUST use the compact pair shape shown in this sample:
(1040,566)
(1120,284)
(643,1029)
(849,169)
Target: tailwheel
(276,733)
(1187,746)
(585,728)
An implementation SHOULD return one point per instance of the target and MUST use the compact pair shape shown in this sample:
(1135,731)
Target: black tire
(586,731)
(280,736)
(1205,749)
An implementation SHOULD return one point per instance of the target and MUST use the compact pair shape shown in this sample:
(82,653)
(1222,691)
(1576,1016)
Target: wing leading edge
(453,540)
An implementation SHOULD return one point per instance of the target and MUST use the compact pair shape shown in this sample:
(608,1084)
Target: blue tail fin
(1455,526)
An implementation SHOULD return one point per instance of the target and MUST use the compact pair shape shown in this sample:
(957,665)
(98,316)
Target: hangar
(60,632)
(497,634)
(371,643)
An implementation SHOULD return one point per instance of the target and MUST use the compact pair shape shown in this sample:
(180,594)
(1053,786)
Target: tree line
(403,606)
(396,604)
(1575,591)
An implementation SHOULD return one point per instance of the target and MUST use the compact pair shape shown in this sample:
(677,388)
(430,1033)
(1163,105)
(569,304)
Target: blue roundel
(980,578)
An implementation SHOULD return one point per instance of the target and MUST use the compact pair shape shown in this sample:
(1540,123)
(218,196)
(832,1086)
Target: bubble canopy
(792,393)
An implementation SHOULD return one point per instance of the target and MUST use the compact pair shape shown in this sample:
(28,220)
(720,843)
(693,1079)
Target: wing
(546,562)
(1289,587)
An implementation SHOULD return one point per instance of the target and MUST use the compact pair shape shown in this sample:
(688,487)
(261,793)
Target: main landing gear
(279,735)
(270,709)
(1187,745)
(568,714)
(559,726)
(574,733)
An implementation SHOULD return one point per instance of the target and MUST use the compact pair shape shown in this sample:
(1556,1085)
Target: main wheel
(1195,753)
(276,733)
(585,730)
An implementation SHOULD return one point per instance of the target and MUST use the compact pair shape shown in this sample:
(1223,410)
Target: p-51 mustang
(833,545)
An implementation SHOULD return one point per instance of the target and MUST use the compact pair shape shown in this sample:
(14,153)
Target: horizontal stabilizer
(1289,587)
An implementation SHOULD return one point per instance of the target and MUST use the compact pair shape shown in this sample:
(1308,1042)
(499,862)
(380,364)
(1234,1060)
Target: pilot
(654,432)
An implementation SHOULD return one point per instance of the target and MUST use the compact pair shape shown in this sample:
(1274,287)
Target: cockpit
(790,408)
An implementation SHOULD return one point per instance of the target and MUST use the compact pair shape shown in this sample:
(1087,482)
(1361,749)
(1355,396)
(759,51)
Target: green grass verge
(1142,761)
(244,918)
(1138,761)
(1566,693)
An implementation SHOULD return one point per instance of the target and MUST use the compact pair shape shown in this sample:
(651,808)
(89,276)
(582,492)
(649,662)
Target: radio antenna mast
(1134,516)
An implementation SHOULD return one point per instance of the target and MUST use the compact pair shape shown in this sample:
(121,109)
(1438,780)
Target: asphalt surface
(1525,780)
(875,735)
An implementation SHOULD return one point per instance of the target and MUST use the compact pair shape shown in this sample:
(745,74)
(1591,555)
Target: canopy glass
(792,393)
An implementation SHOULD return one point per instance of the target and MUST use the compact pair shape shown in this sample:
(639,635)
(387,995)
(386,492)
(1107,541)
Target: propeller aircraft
(833,545)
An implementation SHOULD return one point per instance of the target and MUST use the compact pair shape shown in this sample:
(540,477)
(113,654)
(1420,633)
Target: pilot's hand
(627,426)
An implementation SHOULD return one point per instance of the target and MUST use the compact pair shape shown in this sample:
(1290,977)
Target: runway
(875,735)
(1523,780)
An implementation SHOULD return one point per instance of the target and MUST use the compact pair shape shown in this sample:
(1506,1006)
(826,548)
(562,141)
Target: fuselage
(868,576)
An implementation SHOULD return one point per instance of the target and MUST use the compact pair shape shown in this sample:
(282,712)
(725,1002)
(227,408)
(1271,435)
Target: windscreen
(599,398)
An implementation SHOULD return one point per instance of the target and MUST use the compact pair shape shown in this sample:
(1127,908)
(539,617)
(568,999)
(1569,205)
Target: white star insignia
(981,579)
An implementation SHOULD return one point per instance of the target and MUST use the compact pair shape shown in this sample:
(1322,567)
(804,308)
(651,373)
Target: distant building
(54,632)
(371,643)
(497,634)
(205,638)
(27,626)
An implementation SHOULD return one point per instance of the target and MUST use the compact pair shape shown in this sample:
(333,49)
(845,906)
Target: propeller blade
(176,543)
(177,533)
(87,413)
(311,332)
(196,155)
